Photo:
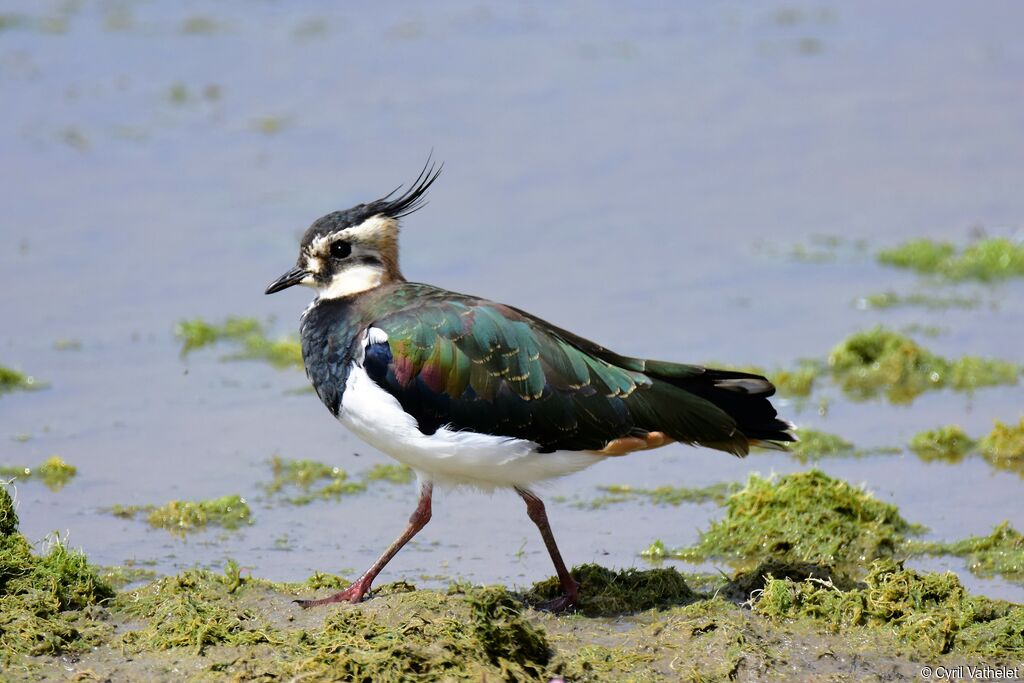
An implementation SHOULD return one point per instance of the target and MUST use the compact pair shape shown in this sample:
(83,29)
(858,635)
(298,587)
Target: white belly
(448,457)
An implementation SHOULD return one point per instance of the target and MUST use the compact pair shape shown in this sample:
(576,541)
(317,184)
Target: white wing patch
(375,335)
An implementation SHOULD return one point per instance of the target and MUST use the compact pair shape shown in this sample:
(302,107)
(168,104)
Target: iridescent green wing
(471,364)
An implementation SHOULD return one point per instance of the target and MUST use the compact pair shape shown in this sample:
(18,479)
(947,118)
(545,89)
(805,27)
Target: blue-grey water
(640,176)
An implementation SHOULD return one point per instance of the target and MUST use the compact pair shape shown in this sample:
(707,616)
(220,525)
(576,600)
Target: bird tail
(742,396)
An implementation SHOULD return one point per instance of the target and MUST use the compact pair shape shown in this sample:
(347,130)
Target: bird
(471,392)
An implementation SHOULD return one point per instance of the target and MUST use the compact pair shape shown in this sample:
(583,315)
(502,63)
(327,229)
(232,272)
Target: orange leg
(361,586)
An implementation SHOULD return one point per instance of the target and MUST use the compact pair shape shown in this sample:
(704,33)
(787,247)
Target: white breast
(448,457)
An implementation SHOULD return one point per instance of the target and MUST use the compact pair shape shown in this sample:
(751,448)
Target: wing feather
(470,364)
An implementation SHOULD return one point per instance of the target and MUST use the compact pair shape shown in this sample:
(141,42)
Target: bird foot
(557,605)
(353,594)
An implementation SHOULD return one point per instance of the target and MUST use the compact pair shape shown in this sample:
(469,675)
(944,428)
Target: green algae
(395,474)
(930,613)
(401,634)
(709,639)
(821,249)
(1003,447)
(126,574)
(744,586)
(891,299)
(280,353)
(948,443)
(801,517)
(248,335)
(314,481)
(881,362)
(12,380)
(194,610)
(1001,552)
(607,592)
(798,381)
(986,260)
(197,334)
(422,636)
(182,516)
(53,472)
(301,473)
(660,495)
(815,445)
(44,598)
(640,625)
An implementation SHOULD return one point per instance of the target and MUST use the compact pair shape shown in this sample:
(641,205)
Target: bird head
(351,251)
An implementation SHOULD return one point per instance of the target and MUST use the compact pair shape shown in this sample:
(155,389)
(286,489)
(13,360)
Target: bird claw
(352,594)
(557,605)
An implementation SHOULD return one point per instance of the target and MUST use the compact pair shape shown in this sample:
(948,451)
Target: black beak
(292,277)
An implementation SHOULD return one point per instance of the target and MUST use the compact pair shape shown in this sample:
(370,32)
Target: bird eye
(341,249)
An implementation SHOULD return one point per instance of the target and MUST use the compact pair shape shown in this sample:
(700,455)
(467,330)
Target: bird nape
(467,391)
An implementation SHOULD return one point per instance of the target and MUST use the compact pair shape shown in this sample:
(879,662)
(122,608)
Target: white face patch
(373,230)
(352,280)
(314,264)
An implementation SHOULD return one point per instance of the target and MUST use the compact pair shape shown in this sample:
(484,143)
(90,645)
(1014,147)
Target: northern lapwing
(466,391)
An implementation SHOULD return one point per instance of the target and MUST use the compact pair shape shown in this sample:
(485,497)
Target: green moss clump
(607,592)
(281,353)
(194,609)
(986,260)
(53,472)
(182,516)
(891,299)
(949,443)
(1001,552)
(196,334)
(301,473)
(797,382)
(419,636)
(125,574)
(305,475)
(931,613)
(42,596)
(12,380)
(971,372)
(8,515)
(922,255)
(247,334)
(661,495)
(815,444)
(801,517)
(396,474)
(1004,446)
(881,362)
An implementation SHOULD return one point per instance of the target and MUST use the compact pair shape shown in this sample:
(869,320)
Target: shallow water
(639,179)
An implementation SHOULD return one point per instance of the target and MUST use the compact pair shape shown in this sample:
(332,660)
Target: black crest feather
(411,200)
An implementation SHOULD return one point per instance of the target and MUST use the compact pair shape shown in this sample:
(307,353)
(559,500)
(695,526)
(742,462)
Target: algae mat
(487,633)
(61,619)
